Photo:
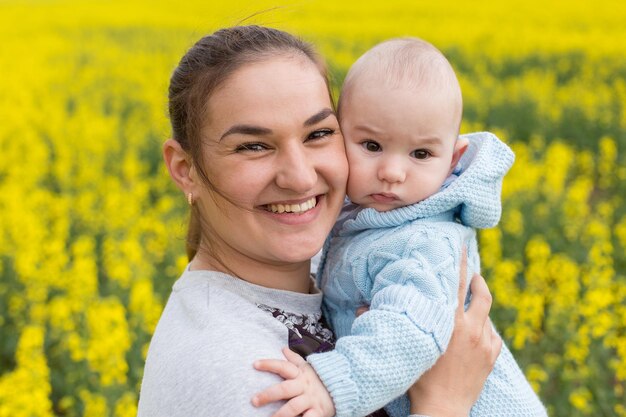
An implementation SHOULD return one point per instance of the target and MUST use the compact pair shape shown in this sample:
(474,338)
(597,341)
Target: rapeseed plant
(92,230)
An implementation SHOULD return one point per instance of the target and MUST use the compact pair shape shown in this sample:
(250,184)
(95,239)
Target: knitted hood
(474,195)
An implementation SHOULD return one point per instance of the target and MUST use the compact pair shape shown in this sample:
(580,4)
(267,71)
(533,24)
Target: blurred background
(92,229)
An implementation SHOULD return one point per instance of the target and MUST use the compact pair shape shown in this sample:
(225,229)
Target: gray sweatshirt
(212,329)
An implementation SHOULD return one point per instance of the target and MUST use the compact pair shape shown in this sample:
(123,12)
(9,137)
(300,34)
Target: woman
(257,150)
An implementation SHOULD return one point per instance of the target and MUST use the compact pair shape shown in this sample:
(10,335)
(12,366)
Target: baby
(417,191)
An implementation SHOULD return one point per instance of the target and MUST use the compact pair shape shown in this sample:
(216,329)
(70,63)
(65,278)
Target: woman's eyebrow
(318,117)
(246,130)
(259,131)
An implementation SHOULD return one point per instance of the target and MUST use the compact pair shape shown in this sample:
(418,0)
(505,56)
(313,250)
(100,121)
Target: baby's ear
(460,146)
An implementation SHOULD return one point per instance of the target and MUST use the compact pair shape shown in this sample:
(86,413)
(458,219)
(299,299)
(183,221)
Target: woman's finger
(492,342)
(480,303)
(462,290)
(487,332)
(496,344)
(283,391)
(285,369)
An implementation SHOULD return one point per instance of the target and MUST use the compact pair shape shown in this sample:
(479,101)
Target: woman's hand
(453,384)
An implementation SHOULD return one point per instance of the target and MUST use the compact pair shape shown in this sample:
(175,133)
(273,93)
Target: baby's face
(399,142)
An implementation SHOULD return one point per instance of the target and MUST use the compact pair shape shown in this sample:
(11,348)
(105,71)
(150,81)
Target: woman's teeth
(293,208)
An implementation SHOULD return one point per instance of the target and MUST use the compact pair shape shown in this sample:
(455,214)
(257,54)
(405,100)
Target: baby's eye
(251,147)
(371,146)
(421,154)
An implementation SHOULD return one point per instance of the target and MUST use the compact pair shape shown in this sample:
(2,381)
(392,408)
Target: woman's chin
(299,253)
(301,257)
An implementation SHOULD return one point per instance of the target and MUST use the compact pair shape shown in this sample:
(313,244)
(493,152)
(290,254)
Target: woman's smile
(296,213)
(293,207)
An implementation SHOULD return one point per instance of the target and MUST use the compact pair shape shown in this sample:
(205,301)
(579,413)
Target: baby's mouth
(293,208)
(384,197)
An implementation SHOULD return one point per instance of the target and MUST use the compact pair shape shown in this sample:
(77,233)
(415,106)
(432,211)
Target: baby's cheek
(355,186)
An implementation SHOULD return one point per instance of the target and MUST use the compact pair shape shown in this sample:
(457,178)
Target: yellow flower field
(92,230)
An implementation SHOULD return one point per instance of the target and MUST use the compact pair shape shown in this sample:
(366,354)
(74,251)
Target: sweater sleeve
(407,328)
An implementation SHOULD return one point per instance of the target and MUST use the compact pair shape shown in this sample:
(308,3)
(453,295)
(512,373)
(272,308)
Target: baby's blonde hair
(403,63)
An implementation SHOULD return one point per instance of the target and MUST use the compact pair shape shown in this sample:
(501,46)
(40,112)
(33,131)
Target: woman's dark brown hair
(201,70)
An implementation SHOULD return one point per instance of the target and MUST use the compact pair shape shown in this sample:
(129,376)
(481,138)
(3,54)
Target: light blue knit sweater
(404,264)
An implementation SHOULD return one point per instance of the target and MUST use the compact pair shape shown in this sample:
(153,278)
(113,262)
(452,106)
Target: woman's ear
(460,146)
(179,165)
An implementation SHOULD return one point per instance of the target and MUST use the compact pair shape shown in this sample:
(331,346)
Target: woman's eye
(420,154)
(321,133)
(251,147)
(371,146)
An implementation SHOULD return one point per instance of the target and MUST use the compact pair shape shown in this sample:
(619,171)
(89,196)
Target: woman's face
(272,146)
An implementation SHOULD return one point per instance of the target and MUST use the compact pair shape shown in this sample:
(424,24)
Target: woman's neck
(294,277)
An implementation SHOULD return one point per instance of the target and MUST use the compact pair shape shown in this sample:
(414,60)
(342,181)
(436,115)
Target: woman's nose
(295,170)
(391,170)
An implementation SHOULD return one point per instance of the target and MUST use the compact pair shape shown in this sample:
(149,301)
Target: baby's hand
(305,394)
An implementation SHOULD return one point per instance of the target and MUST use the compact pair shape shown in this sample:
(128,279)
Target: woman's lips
(287,213)
(293,208)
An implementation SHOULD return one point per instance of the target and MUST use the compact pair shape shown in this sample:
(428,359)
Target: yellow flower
(491,251)
(108,341)
(607,162)
(537,249)
(580,398)
(25,391)
(95,404)
(144,304)
(513,222)
(620,232)
(126,406)
(536,375)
